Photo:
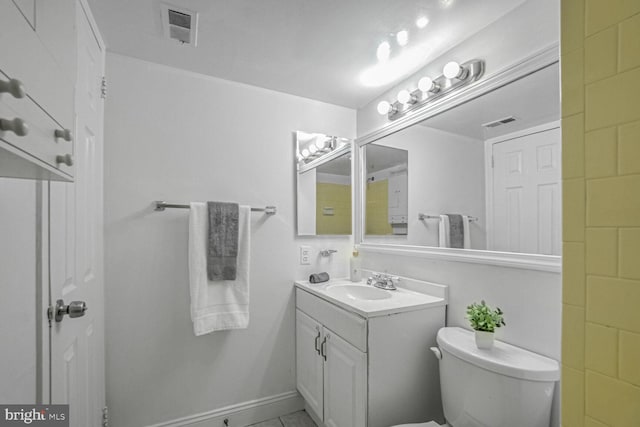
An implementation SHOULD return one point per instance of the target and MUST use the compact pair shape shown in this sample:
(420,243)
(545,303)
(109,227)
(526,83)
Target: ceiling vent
(499,122)
(179,24)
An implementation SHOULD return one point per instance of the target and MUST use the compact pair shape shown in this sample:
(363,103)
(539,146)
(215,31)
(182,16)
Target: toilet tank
(505,386)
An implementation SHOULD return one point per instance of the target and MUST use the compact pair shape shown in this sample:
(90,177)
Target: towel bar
(422,217)
(161,206)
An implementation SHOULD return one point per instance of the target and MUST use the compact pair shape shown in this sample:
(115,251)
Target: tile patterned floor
(297,419)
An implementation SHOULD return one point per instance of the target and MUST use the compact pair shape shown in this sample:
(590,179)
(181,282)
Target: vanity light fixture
(426,84)
(402,37)
(406,97)
(305,153)
(454,77)
(453,70)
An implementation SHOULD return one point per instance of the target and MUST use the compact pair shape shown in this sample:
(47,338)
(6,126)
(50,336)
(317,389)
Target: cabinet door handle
(316,343)
(323,347)
(63,134)
(14,87)
(66,159)
(17,126)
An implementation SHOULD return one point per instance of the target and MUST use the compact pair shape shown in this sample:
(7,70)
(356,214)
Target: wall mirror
(323,178)
(483,175)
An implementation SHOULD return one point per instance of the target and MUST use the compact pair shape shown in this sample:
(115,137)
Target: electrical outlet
(305,255)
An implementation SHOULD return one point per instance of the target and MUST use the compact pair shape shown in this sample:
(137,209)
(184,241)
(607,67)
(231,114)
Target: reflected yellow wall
(338,197)
(601,226)
(377,213)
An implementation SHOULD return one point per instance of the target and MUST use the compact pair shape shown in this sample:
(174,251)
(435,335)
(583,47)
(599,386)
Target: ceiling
(532,100)
(314,49)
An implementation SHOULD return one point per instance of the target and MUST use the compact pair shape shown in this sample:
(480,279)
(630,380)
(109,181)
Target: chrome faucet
(327,252)
(383,281)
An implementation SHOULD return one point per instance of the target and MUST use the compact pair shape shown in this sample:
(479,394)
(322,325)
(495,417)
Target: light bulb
(422,22)
(384,107)
(384,51)
(453,70)
(425,84)
(404,96)
(313,149)
(402,37)
(320,143)
(305,153)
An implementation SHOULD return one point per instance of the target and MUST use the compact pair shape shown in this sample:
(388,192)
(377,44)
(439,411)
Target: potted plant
(484,321)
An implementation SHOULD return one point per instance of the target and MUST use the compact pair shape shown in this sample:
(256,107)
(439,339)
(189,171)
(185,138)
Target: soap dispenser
(355,273)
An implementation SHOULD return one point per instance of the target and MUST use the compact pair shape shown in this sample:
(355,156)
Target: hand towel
(222,249)
(319,277)
(221,304)
(467,233)
(456,231)
(443,231)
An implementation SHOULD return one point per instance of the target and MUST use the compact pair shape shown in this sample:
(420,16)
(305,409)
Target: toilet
(505,386)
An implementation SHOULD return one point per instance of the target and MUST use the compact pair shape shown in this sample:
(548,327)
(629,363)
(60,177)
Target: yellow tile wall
(377,215)
(600,63)
(338,197)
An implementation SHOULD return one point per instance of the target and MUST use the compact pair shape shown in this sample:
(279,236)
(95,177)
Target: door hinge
(103,88)
(105,417)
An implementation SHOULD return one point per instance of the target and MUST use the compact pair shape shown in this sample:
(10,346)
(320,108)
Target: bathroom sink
(358,292)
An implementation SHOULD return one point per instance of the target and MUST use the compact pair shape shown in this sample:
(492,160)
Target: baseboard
(242,414)
(313,415)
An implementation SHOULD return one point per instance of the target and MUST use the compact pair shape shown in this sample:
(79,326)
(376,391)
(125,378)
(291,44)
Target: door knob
(67,159)
(14,87)
(74,309)
(17,126)
(64,134)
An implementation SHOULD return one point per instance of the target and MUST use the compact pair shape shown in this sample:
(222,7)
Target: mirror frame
(523,68)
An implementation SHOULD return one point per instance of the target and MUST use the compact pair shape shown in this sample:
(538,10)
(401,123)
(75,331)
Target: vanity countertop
(367,301)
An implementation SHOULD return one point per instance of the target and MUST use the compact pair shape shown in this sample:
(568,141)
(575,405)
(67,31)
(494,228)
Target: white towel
(221,304)
(443,232)
(465,230)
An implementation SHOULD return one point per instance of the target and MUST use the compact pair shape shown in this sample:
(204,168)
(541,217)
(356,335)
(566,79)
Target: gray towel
(456,231)
(222,248)
(319,277)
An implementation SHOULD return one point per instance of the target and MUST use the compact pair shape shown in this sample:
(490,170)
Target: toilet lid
(503,358)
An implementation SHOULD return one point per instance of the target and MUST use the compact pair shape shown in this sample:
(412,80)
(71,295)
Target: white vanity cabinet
(331,374)
(38,55)
(366,371)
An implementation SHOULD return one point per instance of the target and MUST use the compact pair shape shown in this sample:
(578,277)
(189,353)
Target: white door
(77,344)
(345,383)
(309,362)
(526,194)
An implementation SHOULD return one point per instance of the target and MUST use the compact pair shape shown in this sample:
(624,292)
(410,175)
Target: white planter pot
(484,340)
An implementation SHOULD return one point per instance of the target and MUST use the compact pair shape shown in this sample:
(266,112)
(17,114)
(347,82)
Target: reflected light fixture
(422,22)
(402,37)
(453,70)
(454,77)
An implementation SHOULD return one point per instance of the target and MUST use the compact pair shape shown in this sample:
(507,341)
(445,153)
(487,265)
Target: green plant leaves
(484,318)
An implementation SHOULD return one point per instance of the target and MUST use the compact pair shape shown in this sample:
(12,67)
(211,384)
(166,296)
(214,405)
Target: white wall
(178,136)
(446,175)
(529,28)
